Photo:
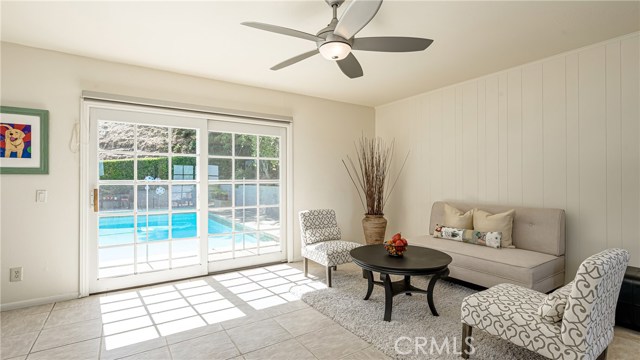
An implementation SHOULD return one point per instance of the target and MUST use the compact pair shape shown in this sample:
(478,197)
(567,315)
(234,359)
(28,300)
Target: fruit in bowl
(396,245)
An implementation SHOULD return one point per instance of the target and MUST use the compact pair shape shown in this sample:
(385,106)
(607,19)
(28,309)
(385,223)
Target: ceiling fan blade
(295,59)
(356,17)
(282,30)
(391,44)
(350,66)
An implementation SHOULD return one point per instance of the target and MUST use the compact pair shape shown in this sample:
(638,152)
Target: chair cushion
(329,253)
(552,307)
(510,312)
(322,234)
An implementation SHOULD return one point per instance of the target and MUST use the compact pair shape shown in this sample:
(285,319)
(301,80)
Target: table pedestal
(393,288)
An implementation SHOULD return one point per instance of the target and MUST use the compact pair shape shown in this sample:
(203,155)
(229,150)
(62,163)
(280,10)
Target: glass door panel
(148,214)
(246,187)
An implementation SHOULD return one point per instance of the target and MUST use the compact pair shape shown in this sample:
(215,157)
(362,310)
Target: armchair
(584,331)
(321,240)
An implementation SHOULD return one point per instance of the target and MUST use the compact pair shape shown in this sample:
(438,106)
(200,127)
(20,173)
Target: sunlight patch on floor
(136,316)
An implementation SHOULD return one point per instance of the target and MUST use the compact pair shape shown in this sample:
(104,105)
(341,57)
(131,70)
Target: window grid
(135,212)
(233,182)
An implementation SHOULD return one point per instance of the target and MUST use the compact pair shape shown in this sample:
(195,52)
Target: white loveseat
(536,263)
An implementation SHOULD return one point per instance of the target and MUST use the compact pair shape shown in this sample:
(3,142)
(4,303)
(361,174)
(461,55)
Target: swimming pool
(119,230)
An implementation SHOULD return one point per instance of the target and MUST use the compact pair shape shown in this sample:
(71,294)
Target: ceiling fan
(336,41)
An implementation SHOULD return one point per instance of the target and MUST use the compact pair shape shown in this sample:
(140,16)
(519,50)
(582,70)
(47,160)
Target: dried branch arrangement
(370,173)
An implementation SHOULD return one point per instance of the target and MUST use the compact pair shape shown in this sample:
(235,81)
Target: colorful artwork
(15,141)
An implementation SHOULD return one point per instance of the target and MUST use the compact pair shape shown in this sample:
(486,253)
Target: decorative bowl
(396,246)
(394,250)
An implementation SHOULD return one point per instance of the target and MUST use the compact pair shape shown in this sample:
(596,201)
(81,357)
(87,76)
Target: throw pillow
(457,219)
(552,307)
(322,234)
(503,222)
(490,239)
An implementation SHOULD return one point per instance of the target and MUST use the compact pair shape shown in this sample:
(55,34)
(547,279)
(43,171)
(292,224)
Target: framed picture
(24,141)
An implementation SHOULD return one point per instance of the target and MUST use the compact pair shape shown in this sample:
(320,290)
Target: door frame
(86,193)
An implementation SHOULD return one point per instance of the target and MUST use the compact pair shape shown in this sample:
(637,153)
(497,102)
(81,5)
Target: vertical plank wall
(563,132)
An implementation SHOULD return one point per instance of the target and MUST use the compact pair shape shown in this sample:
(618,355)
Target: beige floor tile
(370,353)
(107,352)
(623,348)
(286,308)
(16,324)
(68,334)
(16,345)
(26,311)
(332,343)
(212,346)
(286,350)
(84,350)
(19,357)
(94,299)
(193,333)
(627,333)
(73,315)
(303,321)
(155,354)
(258,335)
(250,316)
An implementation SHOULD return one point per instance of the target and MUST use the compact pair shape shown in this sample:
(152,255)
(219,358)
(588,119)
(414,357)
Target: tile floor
(249,314)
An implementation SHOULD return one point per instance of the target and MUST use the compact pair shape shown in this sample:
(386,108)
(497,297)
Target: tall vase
(374,227)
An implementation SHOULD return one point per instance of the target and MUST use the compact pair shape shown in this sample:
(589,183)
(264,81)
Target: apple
(397,236)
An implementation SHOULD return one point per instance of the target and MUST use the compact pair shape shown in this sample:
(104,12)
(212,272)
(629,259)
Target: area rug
(412,333)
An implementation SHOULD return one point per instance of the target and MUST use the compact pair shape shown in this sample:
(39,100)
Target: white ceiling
(206,39)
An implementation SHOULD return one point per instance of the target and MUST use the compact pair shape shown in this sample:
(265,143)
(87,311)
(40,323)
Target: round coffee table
(417,261)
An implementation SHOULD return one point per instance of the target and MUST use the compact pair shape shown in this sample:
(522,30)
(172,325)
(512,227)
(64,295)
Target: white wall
(562,132)
(43,238)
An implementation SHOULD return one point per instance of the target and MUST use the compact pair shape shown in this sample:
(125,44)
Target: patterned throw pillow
(552,307)
(490,239)
(322,234)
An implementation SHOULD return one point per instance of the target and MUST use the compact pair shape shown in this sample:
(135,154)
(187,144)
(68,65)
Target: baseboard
(38,301)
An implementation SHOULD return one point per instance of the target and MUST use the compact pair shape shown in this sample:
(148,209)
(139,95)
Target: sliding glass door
(177,195)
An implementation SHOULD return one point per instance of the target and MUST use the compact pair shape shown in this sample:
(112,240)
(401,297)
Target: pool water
(119,230)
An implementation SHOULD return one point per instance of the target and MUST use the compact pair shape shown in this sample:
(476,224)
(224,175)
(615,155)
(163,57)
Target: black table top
(417,260)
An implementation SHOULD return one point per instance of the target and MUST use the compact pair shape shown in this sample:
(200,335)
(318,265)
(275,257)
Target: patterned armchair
(321,240)
(574,322)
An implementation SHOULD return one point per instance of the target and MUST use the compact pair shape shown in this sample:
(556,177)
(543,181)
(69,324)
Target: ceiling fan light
(335,50)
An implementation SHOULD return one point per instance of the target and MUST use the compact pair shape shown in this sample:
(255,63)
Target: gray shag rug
(412,333)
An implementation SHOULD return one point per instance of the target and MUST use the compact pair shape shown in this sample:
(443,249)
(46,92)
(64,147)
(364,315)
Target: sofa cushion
(513,265)
(456,218)
(502,222)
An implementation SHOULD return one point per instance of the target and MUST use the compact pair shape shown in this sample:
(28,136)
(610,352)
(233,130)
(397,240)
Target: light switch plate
(41,196)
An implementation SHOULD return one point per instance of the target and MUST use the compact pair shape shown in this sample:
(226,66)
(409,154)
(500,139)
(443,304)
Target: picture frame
(24,141)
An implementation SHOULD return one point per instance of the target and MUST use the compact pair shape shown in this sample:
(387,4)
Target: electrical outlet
(15,274)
